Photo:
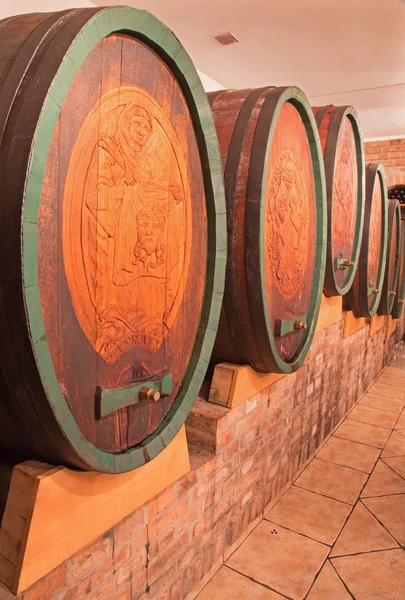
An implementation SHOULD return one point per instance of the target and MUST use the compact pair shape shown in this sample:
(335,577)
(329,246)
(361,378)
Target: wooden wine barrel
(342,147)
(397,192)
(400,291)
(364,296)
(393,259)
(113,241)
(276,221)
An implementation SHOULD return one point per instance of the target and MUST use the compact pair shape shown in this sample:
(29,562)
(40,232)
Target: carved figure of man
(138,186)
(287,217)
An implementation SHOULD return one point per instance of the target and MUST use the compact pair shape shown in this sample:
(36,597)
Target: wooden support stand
(53,512)
(233,384)
(352,324)
(377,322)
(391,326)
(330,312)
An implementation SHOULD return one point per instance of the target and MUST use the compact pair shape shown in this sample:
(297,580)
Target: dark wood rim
(400,297)
(231,173)
(390,287)
(22,376)
(331,288)
(265,126)
(358,301)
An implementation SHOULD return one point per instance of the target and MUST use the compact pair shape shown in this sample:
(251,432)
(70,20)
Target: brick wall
(241,459)
(391,153)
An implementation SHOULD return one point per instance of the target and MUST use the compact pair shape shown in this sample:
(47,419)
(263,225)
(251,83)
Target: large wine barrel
(400,291)
(113,240)
(397,192)
(276,220)
(364,296)
(342,147)
(393,259)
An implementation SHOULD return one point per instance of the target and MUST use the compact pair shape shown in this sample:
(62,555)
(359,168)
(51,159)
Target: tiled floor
(338,532)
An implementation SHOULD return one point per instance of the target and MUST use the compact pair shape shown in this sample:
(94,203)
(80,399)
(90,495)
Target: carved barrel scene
(276,227)
(342,147)
(365,294)
(121,297)
(393,259)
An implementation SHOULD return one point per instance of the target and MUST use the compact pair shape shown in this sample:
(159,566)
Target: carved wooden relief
(289,227)
(344,188)
(125,238)
(122,242)
(375,234)
(287,224)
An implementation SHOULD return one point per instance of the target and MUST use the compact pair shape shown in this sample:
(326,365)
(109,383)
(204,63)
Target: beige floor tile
(390,511)
(373,416)
(332,480)
(283,560)
(229,585)
(349,454)
(394,405)
(308,513)
(398,464)
(362,533)
(392,391)
(387,379)
(328,586)
(395,445)
(395,372)
(363,433)
(375,576)
(401,421)
(383,482)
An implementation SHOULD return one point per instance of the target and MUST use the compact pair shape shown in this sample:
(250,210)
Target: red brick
(104,592)
(161,502)
(100,550)
(47,587)
(166,560)
(121,553)
(101,573)
(124,594)
(160,543)
(123,531)
(175,591)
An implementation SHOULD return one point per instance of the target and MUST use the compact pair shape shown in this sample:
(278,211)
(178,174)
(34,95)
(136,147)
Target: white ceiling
(337,51)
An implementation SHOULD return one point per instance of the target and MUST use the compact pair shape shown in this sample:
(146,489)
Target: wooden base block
(391,326)
(377,322)
(330,312)
(53,512)
(233,384)
(352,324)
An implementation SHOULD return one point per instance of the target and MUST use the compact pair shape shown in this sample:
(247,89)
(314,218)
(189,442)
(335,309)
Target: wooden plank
(391,326)
(330,312)
(377,322)
(232,384)
(352,324)
(65,510)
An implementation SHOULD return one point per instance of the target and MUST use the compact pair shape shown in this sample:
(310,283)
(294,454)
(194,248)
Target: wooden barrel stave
(365,294)
(400,295)
(393,259)
(341,135)
(245,303)
(64,427)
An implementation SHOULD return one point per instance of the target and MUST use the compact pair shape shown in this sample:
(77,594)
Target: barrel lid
(345,189)
(142,26)
(393,259)
(275,271)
